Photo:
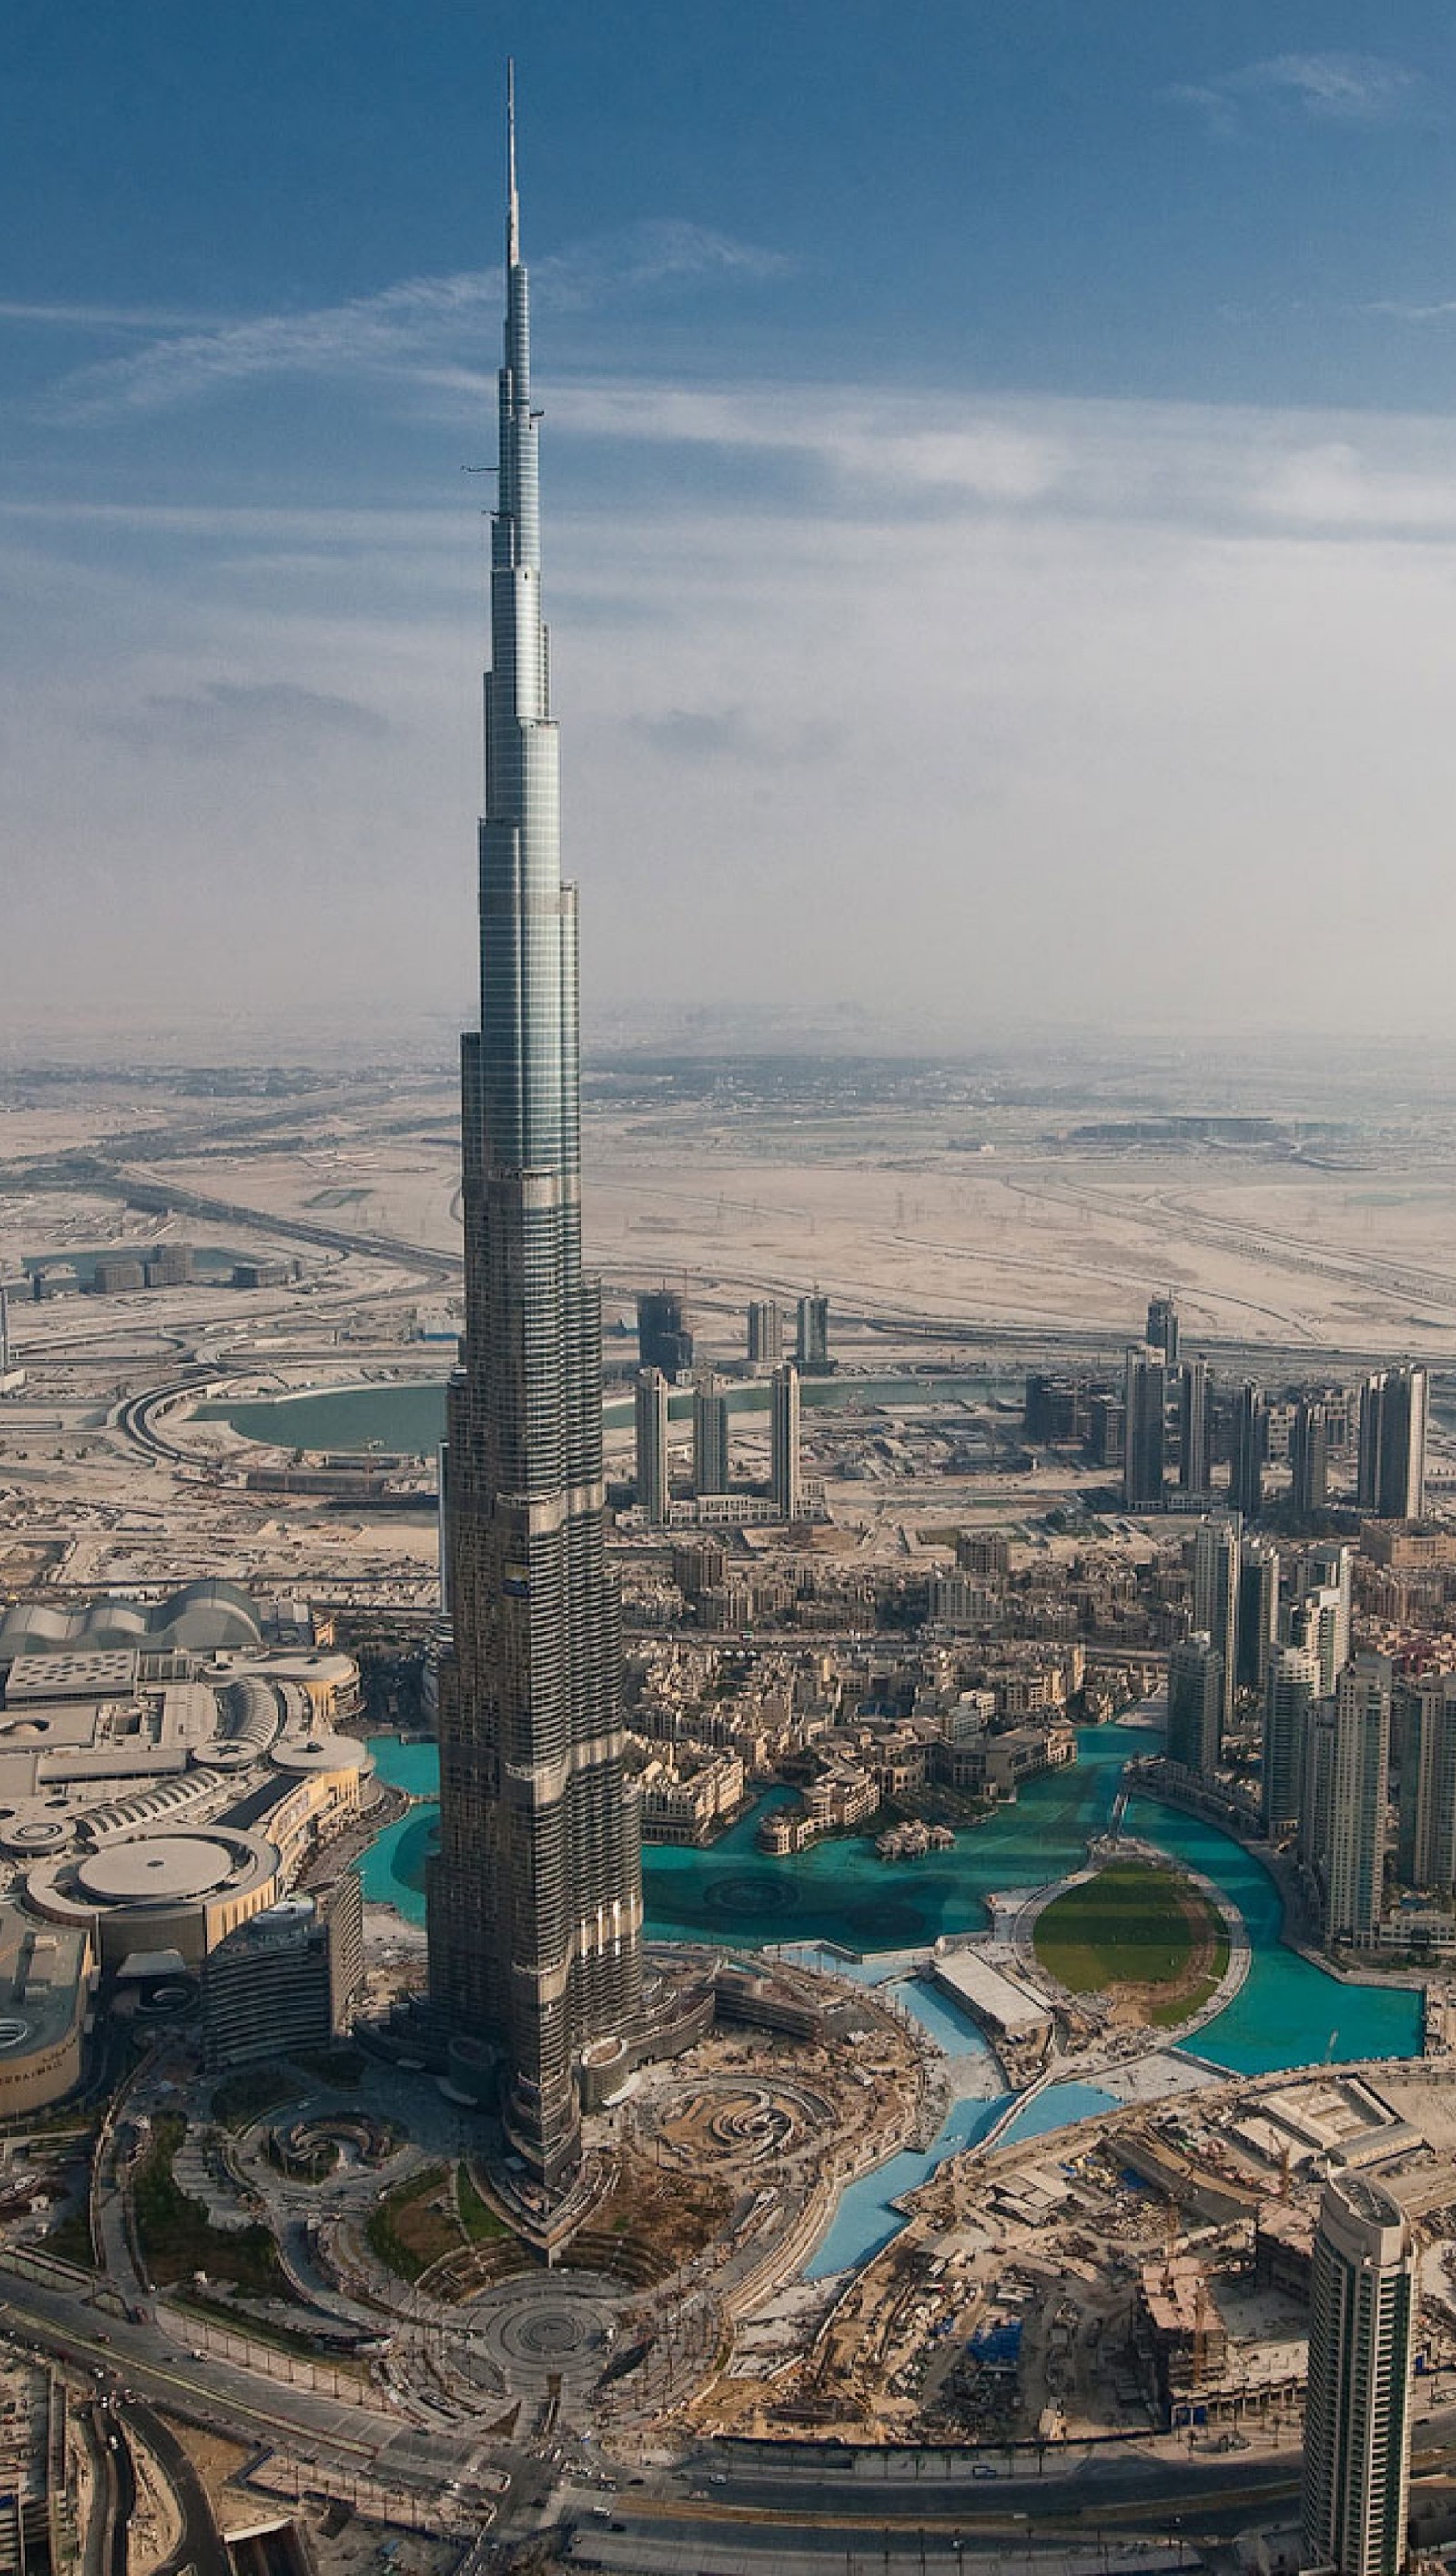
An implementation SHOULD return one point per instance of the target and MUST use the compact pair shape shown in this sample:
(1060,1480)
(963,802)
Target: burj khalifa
(535,1895)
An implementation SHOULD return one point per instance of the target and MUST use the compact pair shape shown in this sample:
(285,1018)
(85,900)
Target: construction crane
(1170,2241)
(1200,2333)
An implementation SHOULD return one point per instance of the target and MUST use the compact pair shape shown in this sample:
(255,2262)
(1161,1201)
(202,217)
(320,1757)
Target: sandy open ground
(1257,1250)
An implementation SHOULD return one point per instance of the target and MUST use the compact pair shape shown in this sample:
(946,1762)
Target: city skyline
(1111,477)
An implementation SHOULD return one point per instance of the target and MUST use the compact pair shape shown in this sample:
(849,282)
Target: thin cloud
(1222,468)
(829,453)
(407,330)
(1328,89)
(104,317)
(1202,640)
(1397,309)
(690,735)
(239,524)
(648,255)
(367,335)
(229,715)
(953,451)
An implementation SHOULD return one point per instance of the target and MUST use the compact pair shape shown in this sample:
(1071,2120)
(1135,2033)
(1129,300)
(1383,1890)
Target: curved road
(201,2546)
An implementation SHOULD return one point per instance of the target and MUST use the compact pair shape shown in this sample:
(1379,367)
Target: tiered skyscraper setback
(535,1897)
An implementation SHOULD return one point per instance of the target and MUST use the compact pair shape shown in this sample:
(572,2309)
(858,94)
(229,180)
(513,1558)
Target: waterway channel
(1287,2013)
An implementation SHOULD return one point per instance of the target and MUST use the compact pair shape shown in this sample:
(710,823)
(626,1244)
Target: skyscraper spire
(535,1896)
(513,202)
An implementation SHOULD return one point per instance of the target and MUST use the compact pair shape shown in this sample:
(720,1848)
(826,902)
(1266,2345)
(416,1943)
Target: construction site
(1146,2271)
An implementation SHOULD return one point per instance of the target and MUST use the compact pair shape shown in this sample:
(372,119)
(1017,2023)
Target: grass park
(1137,1931)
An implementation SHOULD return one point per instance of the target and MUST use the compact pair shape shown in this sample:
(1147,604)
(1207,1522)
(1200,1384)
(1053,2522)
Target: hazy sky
(1000,476)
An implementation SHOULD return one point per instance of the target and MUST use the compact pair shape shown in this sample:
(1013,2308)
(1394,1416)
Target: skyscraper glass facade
(535,1898)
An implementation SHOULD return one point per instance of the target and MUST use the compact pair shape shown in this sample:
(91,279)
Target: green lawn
(1182,2007)
(415,2223)
(1126,1926)
(477,2217)
(179,2239)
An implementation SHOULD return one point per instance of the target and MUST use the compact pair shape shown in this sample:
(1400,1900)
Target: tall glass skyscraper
(535,1897)
(1357,2410)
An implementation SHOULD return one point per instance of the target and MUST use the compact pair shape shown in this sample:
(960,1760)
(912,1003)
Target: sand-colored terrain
(904,1214)
(1257,1250)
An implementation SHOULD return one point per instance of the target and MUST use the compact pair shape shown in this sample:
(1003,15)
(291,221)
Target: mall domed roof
(157,1869)
(201,1619)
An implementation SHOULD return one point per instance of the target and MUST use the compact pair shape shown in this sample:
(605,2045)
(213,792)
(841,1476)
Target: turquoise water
(393,1867)
(407,1421)
(407,1766)
(1057,2108)
(411,1419)
(840,1891)
(1287,2013)
(865,2220)
(950,2028)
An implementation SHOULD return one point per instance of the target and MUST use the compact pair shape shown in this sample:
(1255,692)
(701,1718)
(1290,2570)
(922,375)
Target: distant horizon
(426,1043)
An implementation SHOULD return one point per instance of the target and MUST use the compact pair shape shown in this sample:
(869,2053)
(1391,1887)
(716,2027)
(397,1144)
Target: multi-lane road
(345,2442)
(730,2510)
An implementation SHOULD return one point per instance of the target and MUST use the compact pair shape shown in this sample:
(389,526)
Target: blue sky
(1000,477)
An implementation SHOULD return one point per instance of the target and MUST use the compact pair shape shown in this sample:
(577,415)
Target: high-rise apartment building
(663,1338)
(986,1553)
(1258,1612)
(1195,1705)
(169,1265)
(289,1978)
(1343,1810)
(710,1436)
(1319,1613)
(1357,2409)
(1290,1693)
(535,1895)
(650,1426)
(812,1339)
(1056,1407)
(1392,1456)
(1427,1847)
(1195,1428)
(1106,1430)
(1144,1432)
(765,1333)
(1309,1458)
(1321,1621)
(785,1482)
(12,1375)
(1217,1565)
(1162,1332)
(1247,1448)
(1325,1566)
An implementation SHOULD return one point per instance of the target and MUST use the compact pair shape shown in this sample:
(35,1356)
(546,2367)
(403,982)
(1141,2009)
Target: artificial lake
(1287,2013)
